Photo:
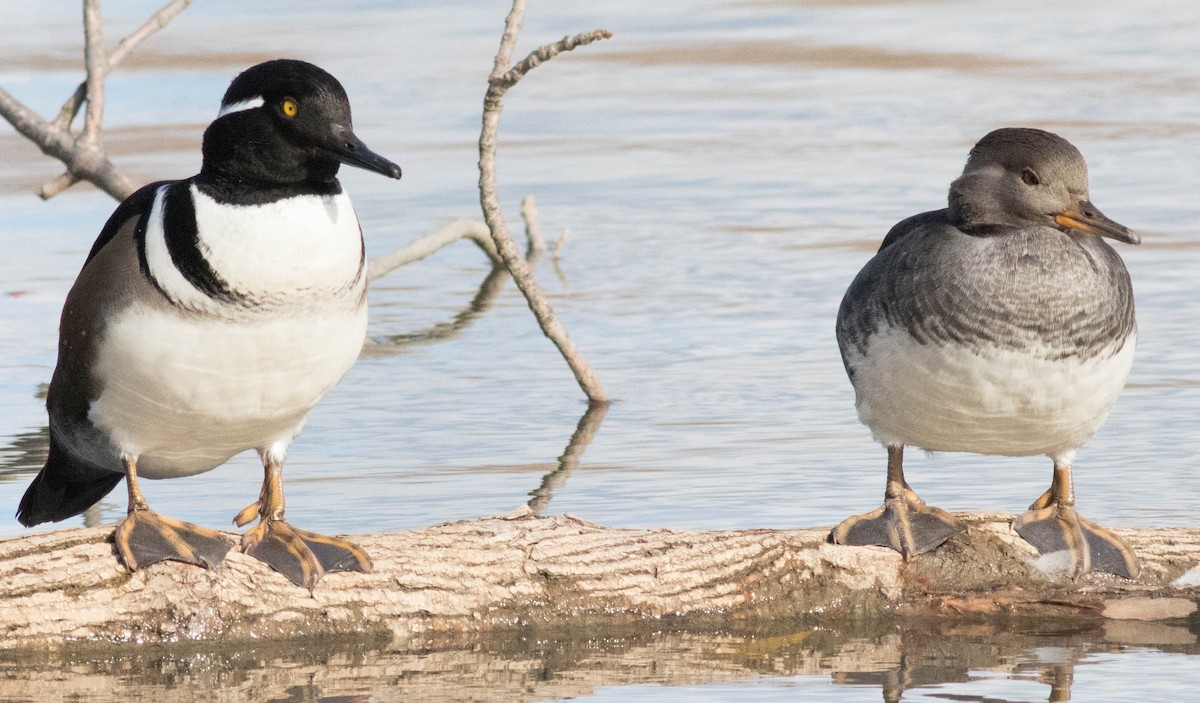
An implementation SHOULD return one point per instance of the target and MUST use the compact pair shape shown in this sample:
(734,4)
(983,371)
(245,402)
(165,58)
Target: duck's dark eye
(1030,177)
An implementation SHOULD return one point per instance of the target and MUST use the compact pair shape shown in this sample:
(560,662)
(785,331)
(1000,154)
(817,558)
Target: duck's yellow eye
(289,107)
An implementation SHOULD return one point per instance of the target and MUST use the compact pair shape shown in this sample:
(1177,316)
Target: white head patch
(247,104)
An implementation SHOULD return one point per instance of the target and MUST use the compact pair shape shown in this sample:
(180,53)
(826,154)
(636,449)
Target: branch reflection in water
(585,430)
(488,289)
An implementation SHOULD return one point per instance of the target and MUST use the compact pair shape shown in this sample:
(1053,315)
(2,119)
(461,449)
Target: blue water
(724,169)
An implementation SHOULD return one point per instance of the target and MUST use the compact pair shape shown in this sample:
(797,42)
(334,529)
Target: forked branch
(502,78)
(86,160)
(81,153)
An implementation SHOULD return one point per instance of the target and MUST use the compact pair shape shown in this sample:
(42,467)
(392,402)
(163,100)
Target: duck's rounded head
(1019,177)
(285,123)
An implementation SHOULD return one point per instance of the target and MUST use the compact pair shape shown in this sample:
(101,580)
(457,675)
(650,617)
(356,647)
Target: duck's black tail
(65,487)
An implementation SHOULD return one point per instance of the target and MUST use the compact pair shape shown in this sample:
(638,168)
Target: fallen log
(522,571)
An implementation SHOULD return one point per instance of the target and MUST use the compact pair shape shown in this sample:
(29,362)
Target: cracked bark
(521,571)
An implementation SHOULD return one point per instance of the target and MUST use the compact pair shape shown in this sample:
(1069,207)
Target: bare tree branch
(81,154)
(535,242)
(543,53)
(66,114)
(473,230)
(488,289)
(156,22)
(57,185)
(508,39)
(501,79)
(93,55)
(84,161)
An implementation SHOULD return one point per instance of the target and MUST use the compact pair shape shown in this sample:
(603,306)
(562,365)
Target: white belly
(1001,402)
(184,394)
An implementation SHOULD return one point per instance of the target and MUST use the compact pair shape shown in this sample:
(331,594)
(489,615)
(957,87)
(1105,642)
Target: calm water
(724,170)
(970,664)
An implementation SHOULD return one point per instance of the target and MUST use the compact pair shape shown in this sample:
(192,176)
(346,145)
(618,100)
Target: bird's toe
(907,526)
(144,537)
(1057,528)
(276,544)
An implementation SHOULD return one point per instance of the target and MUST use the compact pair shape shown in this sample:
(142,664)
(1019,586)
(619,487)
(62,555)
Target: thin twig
(66,114)
(57,185)
(508,40)
(535,242)
(473,230)
(157,21)
(82,155)
(28,123)
(93,55)
(545,53)
(489,289)
(84,161)
(501,79)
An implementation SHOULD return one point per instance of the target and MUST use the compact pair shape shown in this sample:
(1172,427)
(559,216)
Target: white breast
(186,394)
(186,389)
(987,401)
(292,249)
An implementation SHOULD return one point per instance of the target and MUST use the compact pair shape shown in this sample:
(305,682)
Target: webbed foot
(303,557)
(144,537)
(903,523)
(1058,528)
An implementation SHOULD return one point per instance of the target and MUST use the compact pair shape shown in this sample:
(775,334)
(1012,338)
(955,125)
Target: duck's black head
(1018,178)
(284,129)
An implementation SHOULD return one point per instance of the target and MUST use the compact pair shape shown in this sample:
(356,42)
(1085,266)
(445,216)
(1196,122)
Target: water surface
(1046,662)
(724,169)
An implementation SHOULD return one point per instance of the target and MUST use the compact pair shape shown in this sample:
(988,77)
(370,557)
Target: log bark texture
(521,571)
